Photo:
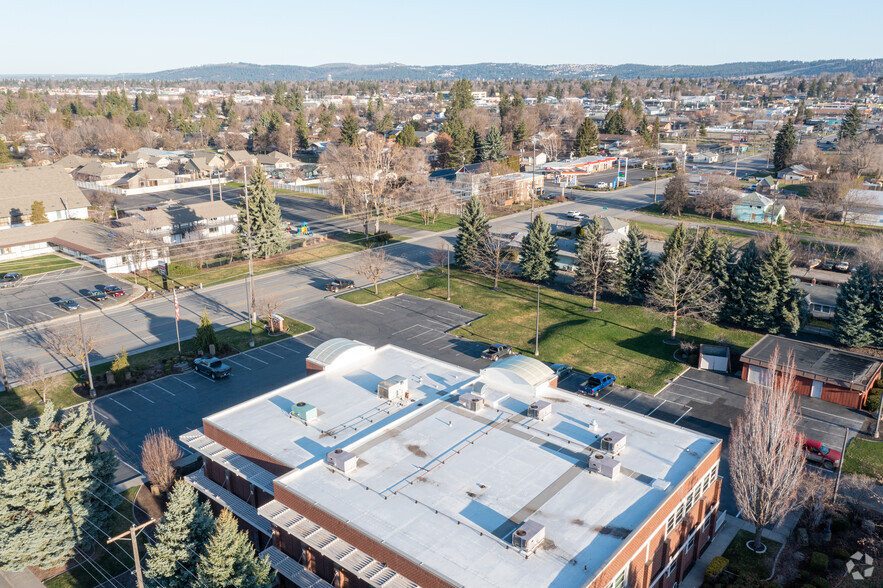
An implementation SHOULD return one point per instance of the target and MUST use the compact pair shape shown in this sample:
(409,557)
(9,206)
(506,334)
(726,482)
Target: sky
(53,37)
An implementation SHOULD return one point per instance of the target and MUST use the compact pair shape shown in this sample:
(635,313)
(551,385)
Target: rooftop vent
(614,442)
(303,411)
(471,402)
(539,410)
(605,465)
(395,388)
(478,388)
(529,536)
(342,460)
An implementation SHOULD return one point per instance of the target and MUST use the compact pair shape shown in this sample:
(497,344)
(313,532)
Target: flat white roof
(446,487)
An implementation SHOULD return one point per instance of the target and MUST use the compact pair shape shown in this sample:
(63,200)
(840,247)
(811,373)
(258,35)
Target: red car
(114,291)
(818,452)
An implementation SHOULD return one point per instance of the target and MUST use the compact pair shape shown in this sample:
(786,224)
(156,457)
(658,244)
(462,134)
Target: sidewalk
(23,579)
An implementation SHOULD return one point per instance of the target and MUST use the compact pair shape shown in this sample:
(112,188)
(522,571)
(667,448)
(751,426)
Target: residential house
(797,173)
(509,189)
(821,300)
(426,137)
(756,208)
(705,157)
(197,168)
(71,163)
(866,207)
(277,161)
(21,187)
(238,159)
(767,185)
(101,173)
(613,230)
(148,178)
(178,224)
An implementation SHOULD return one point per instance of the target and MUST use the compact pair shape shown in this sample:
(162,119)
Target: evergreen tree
(461,98)
(851,125)
(703,132)
(634,267)
(186,106)
(519,133)
(504,106)
(303,131)
(788,310)
(676,195)
(349,130)
(267,235)
(477,144)
(462,151)
(230,559)
(614,124)
(587,139)
(38,212)
(854,313)
(492,148)
(676,241)
(407,138)
(594,263)
(705,251)
(644,131)
(369,112)
(181,537)
(474,227)
(5,157)
(205,334)
(654,132)
(539,251)
(386,123)
(786,141)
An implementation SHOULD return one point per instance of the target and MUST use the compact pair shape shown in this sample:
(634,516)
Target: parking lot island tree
(159,452)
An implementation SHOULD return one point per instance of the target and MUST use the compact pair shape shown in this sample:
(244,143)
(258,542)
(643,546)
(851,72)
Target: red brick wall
(244,449)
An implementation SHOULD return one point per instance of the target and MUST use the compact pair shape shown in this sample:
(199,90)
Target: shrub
(382,237)
(872,404)
(177,269)
(120,364)
(717,565)
(840,553)
(820,583)
(840,525)
(818,562)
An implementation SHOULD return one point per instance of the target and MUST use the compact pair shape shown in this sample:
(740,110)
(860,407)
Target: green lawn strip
(41,264)
(237,337)
(444,222)
(297,194)
(750,566)
(24,401)
(622,339)
(104,560)
(865,458)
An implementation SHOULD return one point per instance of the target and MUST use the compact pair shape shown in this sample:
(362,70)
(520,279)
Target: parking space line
(689,408)
(183,382)
(239,364)
(163,389)
(121,404)
(143,396)
(689,398)
(425,330)
(271,353)
(831,416)
(372,310)
(44,314)
(102,413)
(256,359)
(442,336)
(629,402)
(712,394)
(290,348)
(405,329)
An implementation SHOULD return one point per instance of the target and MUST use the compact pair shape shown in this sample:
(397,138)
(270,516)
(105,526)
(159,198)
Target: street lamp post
(85,359)
(249,284)
(536,342)
(449,271)
(533,178)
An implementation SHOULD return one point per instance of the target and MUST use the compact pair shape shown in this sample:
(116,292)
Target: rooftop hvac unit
(614,442)
(528,536)
(605,465)
(342,460)
(395,388)
(303,411)
(539,410)
(471,402)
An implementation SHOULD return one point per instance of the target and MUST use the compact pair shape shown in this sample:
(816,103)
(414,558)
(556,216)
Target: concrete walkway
(24,579)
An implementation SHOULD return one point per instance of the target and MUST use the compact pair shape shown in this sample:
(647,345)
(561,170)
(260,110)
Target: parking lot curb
(687,368)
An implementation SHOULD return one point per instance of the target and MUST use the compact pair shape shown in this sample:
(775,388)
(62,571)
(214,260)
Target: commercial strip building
(834,375)
(388,468)
(20,188)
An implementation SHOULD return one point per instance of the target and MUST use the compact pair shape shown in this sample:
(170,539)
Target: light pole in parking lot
(448,248)
(536,342)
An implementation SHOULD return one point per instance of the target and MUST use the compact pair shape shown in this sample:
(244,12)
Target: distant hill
(250,72)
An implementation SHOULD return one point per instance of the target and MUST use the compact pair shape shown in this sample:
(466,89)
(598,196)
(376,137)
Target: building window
(688,501)
(690,543)
(620,580)
(707,524)
(697,492)
(670,525)
(672,567)
(680,512)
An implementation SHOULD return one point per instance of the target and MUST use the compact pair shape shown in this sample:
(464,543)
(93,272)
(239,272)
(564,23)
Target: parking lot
(36,297)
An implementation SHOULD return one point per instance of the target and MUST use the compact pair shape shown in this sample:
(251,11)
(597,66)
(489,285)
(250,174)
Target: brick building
(388,468)
(834,375)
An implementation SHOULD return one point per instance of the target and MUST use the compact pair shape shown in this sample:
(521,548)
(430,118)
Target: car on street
(843,266)
(826,265)
(596,382)
(114,291)
(97,295)
(496,351)
(818,452)
(10,280)
(562,370)
(68,305)
(601,185)
(338,284)
(574,214)
(212,367)
(695,191)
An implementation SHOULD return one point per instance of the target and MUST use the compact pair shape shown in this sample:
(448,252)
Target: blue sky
(102,37)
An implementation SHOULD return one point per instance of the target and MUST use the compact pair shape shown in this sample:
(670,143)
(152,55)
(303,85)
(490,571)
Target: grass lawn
(444,222)
(309,195)
(36,265)
(865,458)
(747,564)
(623,339)
(105,560)
(25,402)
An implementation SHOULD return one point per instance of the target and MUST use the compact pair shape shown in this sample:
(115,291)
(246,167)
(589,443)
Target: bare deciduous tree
(552,145)
(429,200)
(33,375)
(766,460)
(493,257)
(268,307)
(683,290)
(860,155)
(70,343)
(718,197)
(817,493)
(159,452)
(440,256)
(372,264)
(870,251)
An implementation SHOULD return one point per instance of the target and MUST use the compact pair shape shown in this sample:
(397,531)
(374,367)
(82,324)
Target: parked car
(212,367)
(826,265)
(68,305)
(818,452)
(695,191)
(10,280)
(596,382)
(574,214)
(97,295)
(601,185)
(843,266)
(496,351)
(813,263)
(562,370)
(338,284)
(114,291)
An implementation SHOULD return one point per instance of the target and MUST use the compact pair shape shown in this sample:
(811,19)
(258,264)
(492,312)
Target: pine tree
(705,250)
(230,559)
(474,226)
(614,124)
(267,235)
(461,98)
(539,251)
(181,537)
(676,195)
(854,313)
(349,130)
(477,144)
(303,131)
(634,266)
(492,148)
(786,141)
(644,131)
(851,125)
(205,334)
(594,263)
(519,134)
(38,212)
(408,137)
(654,131)
(587,139)
(675,242)
(386,123)
(788,310)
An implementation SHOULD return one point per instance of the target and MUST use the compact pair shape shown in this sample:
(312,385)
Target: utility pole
(449,280)
(536,342)
(533,178)
(220,187)
(85,358)
(840,467)
(3,364)
(211,187)
(133,537)
(249,285)
(656,170)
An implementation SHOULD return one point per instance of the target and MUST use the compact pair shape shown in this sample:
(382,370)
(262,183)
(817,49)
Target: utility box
(529,536)
(303,411)
(614,442)
(605,465)
(394,388)
(471,401)
(539,410)
(341,460)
